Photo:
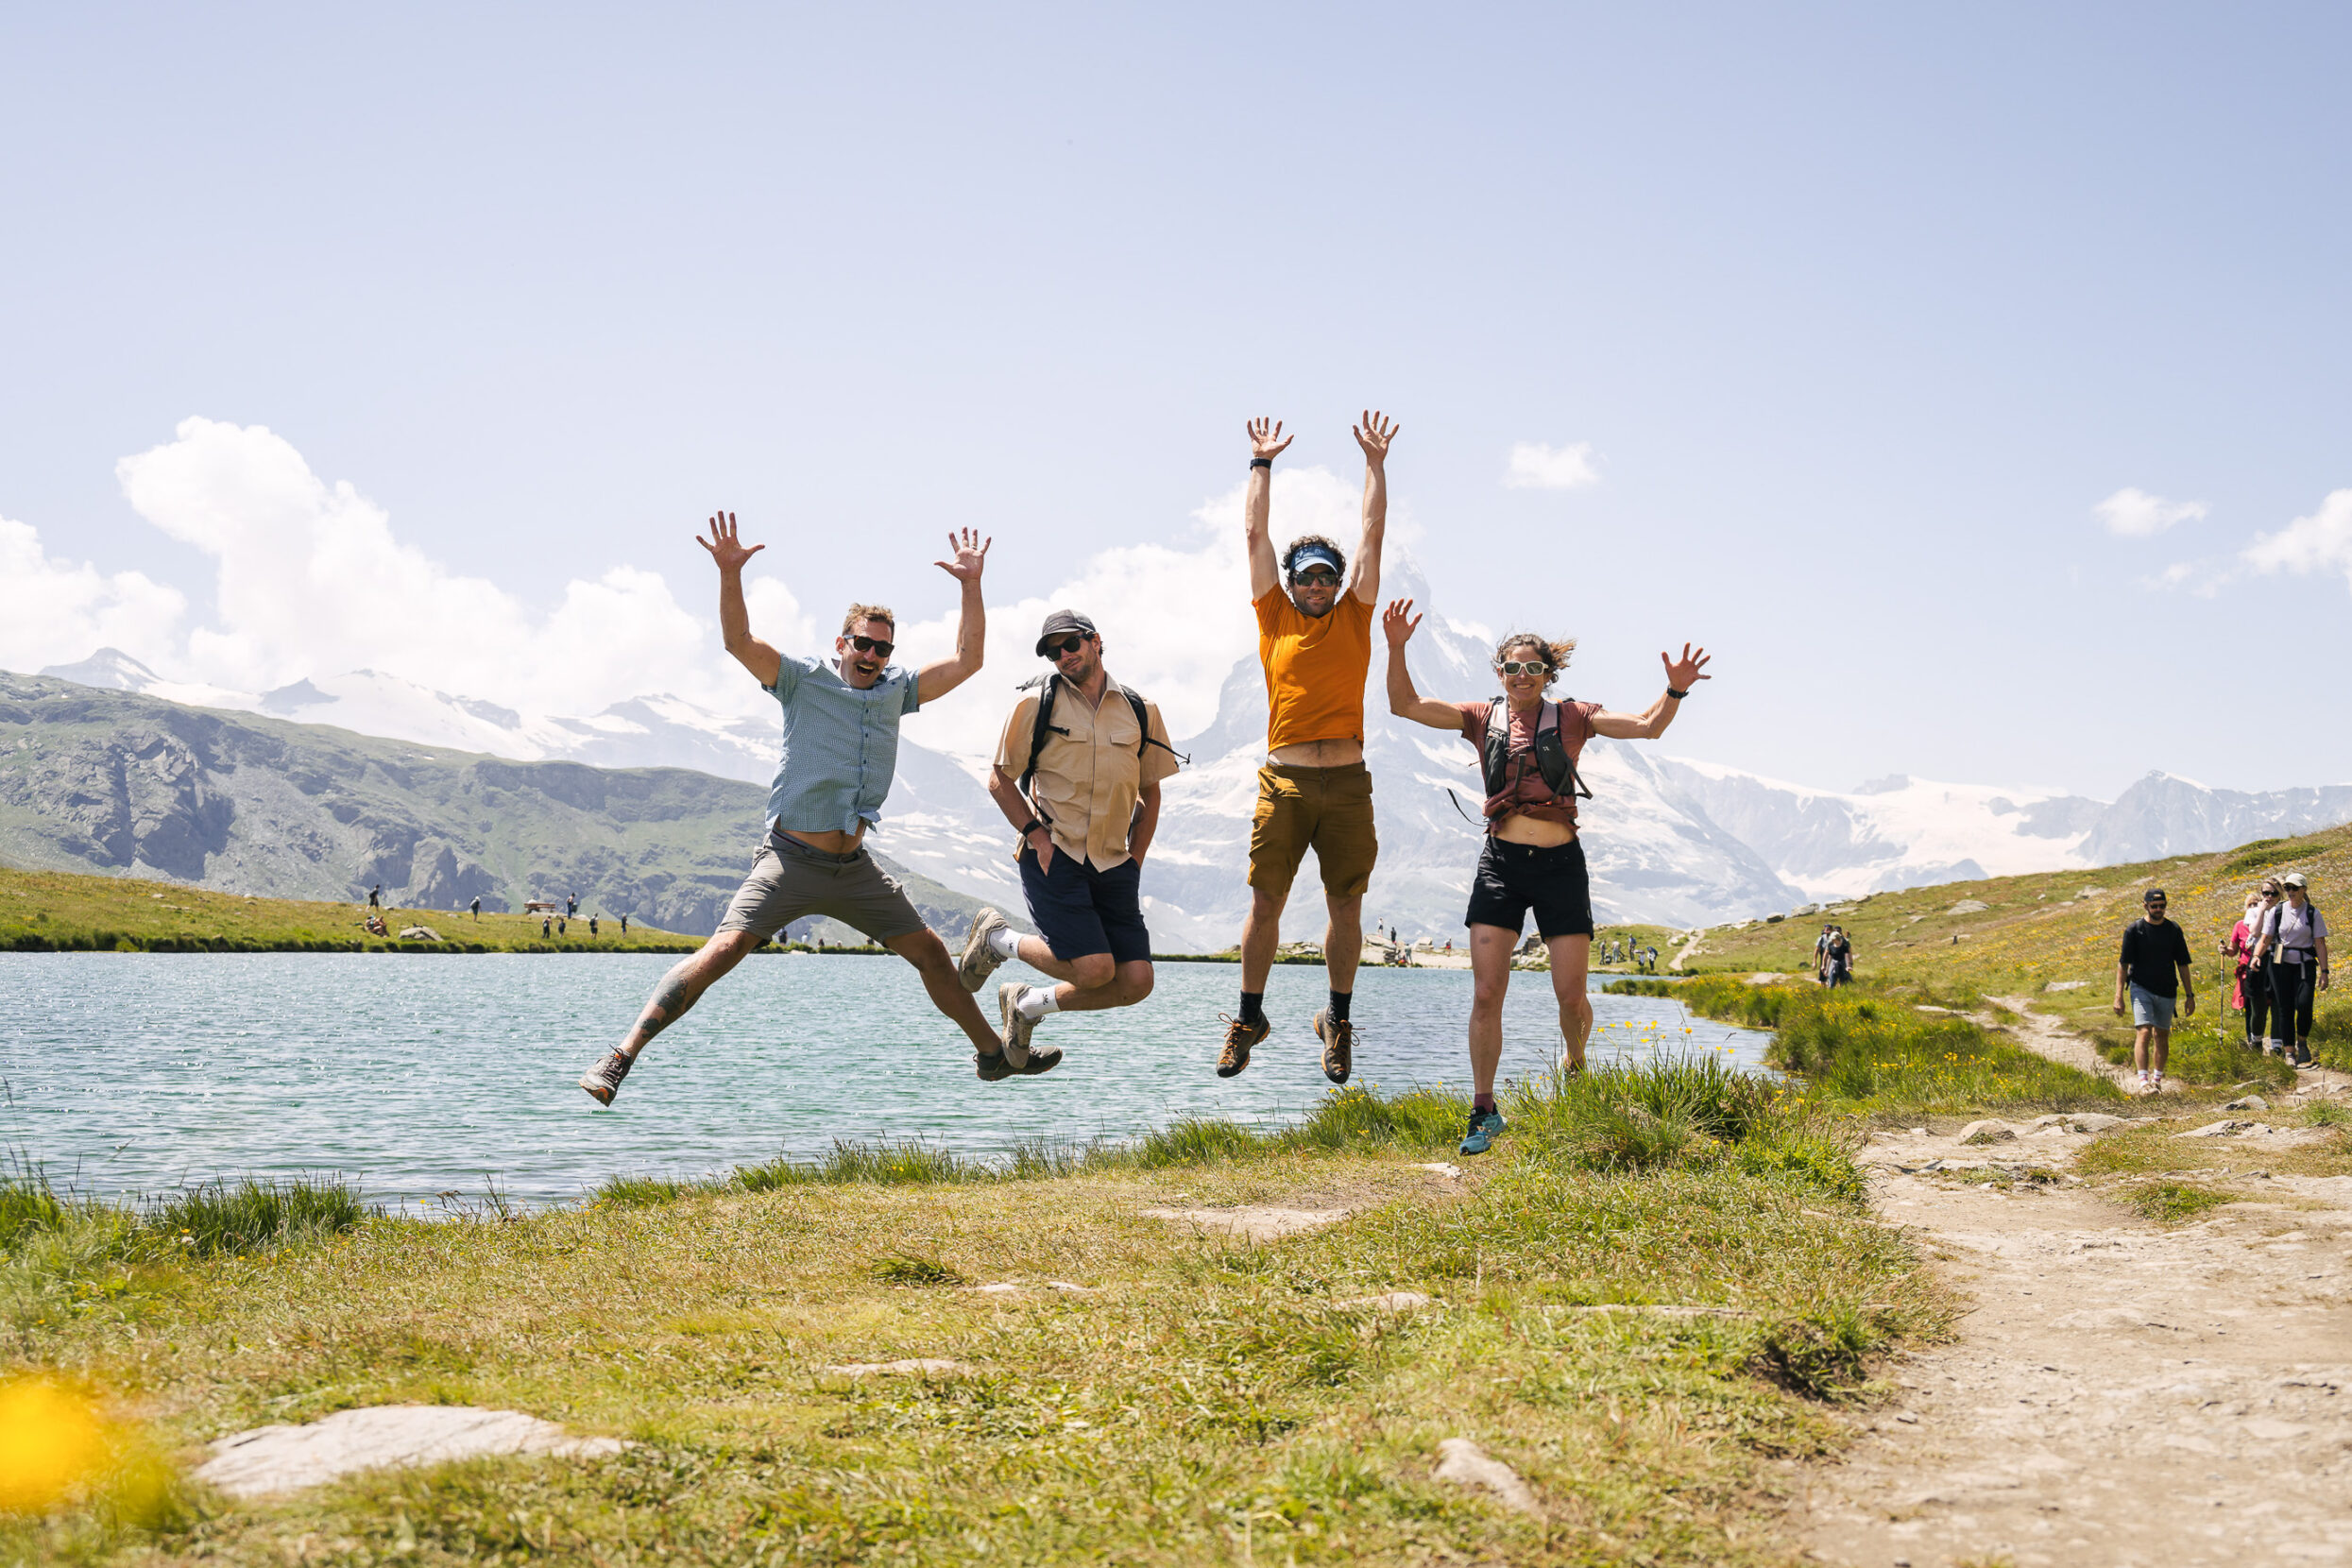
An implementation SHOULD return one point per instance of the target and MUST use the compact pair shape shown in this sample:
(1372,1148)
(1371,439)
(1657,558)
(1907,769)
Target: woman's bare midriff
(832,843)
(1528,830)
(1317,754)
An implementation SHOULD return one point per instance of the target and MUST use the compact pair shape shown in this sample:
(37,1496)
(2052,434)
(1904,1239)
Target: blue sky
(1861,312)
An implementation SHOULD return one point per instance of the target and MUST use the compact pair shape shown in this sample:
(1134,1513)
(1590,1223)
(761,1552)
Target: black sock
(1339,1001)
(1253,1007)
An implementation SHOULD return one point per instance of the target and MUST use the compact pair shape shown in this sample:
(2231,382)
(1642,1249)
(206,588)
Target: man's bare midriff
(1317,753)
(832,843)
(1520,828)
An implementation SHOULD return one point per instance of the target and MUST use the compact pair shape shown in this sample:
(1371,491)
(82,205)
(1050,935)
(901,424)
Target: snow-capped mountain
(1670,839)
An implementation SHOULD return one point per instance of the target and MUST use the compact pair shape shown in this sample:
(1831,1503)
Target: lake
(416,1076)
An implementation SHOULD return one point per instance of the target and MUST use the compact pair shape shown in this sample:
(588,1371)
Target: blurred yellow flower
(49,1440)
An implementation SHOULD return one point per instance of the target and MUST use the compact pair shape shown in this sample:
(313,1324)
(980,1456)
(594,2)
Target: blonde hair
(1555,654)
(859,613)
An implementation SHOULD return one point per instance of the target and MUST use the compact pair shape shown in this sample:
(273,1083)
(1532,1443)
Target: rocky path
(2124,1392)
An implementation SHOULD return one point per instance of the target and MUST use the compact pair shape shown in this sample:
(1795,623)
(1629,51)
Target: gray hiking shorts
(789,880)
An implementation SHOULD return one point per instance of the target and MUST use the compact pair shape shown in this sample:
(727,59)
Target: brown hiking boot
(1339,1038)
(1239,1037)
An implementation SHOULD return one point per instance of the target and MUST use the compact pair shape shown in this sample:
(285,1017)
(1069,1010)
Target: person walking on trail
(375,896)
(1821,954)
(2154,968)
(841,721)
(1533,858)
(1078,774)
(1838,959)
(2250,990)
(476,905)
(2294,945)
(1314,792)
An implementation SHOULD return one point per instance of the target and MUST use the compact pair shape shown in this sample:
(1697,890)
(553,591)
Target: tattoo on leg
(670,1000)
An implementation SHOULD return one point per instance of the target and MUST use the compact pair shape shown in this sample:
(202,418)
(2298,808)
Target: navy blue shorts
(1081,910)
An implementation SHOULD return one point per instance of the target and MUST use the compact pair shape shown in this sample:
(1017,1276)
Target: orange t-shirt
(1315,669)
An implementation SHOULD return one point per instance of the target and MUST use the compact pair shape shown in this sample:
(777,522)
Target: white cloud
(1535,466)
(2321,542)
(310,580)
(2136,515)
(1174,618)
(54,611)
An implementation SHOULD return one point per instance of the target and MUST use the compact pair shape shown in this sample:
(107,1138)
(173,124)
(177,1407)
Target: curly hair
(1291,555)
(1555,654)
(860,614)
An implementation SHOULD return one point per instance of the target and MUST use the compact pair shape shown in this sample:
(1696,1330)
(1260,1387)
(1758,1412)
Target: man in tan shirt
(1092,778)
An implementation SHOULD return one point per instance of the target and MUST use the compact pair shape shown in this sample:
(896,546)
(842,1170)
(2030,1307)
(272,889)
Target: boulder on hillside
(1988,1131)
(419,933)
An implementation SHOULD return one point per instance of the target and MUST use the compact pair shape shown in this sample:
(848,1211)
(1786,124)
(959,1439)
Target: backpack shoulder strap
(1039,728)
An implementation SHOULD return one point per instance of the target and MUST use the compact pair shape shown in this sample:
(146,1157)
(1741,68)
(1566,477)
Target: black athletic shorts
(1081,910)
(1514,877)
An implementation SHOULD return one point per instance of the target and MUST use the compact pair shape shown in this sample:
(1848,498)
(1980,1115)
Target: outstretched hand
(1267,439)
(724,545)
(1374,435)
(1681,671)
(968,554)
(1398,623)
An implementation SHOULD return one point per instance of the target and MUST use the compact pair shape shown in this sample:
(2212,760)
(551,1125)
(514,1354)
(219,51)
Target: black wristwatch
(1030,826)
(1677,696)
(1261,462)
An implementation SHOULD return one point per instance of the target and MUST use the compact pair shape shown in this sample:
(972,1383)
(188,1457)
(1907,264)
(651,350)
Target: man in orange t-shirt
(1315,641)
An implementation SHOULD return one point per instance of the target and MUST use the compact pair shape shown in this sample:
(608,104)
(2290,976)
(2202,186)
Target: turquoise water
(416,1076)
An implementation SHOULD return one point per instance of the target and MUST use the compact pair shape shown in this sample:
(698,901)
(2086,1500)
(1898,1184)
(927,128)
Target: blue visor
(1314,554)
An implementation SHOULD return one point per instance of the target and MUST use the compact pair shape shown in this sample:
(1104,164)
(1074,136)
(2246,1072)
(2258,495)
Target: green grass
(1208,1402)
(1862,1050)
(2172,1202)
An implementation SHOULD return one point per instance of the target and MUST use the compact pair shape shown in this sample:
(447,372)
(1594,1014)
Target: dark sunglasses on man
(1056,647)
(872,645)
(1317,576)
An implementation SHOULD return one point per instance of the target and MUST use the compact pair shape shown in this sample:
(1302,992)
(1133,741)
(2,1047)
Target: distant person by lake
(591,926)
(476,905)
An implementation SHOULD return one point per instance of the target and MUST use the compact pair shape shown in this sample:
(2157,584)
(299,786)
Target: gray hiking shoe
(602,1080)
(1016,1031)
(979,960)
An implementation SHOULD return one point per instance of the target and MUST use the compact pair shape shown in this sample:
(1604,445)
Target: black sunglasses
(872,645)
(1061,645)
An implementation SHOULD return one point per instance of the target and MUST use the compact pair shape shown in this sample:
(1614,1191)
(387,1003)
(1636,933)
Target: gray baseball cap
(1062,622)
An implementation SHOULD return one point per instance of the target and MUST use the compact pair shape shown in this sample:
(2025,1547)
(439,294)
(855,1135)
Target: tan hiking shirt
(1088,780)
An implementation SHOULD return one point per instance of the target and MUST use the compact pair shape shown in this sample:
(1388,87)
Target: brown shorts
(789,880)
(1326,810)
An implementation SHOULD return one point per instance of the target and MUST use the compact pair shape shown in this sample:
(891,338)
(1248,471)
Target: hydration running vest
(1552,761)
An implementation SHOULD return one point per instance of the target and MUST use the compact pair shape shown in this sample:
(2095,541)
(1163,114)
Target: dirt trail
(2123,1393)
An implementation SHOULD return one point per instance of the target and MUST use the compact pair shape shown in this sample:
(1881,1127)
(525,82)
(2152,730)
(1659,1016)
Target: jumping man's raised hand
(1267,439)
(1375,434)
(967,555)
(725,548)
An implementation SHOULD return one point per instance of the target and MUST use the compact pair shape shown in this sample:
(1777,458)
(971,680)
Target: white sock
(1038,1000)
(1005,941)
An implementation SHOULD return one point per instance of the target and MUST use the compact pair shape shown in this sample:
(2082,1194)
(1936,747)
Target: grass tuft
(218,1217)
(2173,1201)
(908,1269)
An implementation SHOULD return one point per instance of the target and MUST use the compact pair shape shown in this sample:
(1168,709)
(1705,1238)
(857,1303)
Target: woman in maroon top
(1532,857)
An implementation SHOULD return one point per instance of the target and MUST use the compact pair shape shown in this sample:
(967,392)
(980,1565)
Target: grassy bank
(2053,938)
(1885,1054)
(1202,1401)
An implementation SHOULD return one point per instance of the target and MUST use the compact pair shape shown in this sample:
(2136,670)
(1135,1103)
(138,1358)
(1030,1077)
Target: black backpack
(1045,726)
(1552,761)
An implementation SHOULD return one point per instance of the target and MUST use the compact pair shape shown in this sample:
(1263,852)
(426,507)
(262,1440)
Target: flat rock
(2094,1121)
(1968,906)
(287,1459)
(1252,1222)
(1070,1288)
(1002,1287)
(2251,1102)
(419,933)
(2223,1130)
(1464,1463)
(1392,1301)
(1441,1168)
(922,1366)
(1988,1131)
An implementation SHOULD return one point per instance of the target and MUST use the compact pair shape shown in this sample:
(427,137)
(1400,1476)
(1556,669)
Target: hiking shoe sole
(602,1080)
(1339,1038)
(979,960)
(1013,1035)
(1240,1039)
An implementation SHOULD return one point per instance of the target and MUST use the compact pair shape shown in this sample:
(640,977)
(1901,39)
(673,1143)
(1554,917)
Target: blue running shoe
(1485,1127)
